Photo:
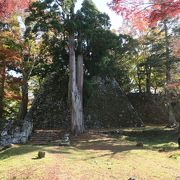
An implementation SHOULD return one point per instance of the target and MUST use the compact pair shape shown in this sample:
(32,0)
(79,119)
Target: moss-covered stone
(109,106)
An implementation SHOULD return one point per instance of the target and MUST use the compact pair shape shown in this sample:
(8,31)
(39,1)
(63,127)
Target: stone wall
(152,108)
(49,109)
(107,107)
(110,107)
(12,134)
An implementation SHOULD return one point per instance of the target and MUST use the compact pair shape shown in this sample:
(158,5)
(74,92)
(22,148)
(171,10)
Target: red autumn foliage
(173,85)
(7,7)
(11,58)
(10,95)
(143,13)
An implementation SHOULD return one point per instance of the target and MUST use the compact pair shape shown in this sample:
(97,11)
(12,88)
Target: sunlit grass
(98,156)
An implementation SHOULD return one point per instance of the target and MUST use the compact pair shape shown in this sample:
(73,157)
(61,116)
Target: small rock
(41,154)
(139,144)
(163,150)
(65,140)
(4,133)
(66,137)
(173,125)
(132,178)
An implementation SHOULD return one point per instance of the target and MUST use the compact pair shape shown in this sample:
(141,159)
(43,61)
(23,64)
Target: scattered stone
(64,144)
(41,154)
(65,140)
(139,144)
(132,178)
(163,150)
(116,132)
(172,125)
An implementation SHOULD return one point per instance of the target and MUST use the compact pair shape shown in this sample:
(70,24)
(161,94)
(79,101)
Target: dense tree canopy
(8,7)
(80,46)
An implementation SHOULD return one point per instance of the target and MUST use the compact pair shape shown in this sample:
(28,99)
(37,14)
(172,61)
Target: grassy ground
(98,156)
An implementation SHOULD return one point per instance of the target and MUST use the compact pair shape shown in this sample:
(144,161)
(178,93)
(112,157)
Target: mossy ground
(98,156)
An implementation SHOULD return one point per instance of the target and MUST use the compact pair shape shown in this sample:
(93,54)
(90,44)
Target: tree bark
(148,79)
(2,85)
(139,80)
(80,82)
(80,75)
(24,102)
(168,75)
(77,125)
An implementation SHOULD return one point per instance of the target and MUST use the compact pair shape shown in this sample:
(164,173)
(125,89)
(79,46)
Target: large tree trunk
(139,80)
(80,82)
(148,79)
(80,75)
(2,85)
(24,102)
(77,125)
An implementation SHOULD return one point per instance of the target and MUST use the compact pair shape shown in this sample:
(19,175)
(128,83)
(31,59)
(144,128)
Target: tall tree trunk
(24,102)
(80,75)
(139,79)
(2,85)
(155,90)
(80,82)
(139,86)
(148,79)
(77,125)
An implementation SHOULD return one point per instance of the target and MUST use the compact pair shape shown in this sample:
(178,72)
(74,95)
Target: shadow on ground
(18,150)
(161,140)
